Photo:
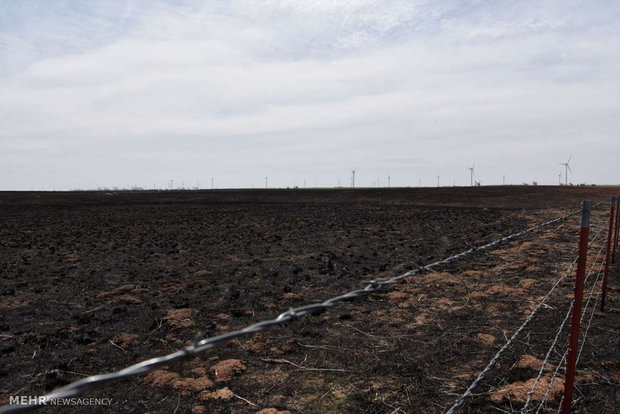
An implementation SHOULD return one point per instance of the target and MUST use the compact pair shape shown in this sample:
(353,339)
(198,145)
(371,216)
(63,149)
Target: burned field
(94,282)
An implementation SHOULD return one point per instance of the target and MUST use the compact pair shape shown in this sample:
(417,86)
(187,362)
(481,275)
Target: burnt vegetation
(94,281)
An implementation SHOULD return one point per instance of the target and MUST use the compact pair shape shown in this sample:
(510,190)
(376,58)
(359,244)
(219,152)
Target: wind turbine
(353,177)
(471,174)
(560,178)
(567,169)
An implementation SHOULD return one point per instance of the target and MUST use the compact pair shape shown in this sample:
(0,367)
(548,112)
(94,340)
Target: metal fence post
(573,339)
(610,234)
(613,255)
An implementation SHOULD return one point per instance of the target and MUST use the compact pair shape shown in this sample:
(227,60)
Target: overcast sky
(122,93)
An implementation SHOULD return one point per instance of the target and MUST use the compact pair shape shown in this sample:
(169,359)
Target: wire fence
(559,331)
(585,334)
(603,266)
(83,385)
(543,402)
(514,336)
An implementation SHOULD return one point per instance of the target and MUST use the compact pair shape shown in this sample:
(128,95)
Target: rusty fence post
(610,234)
(573,338)
(613,255)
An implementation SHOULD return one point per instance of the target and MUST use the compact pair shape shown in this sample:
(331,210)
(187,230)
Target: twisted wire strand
(544,399)
(459,401)
(79,387)
(585,333)
(557,335)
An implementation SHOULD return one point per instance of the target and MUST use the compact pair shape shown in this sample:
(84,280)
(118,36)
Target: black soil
(78,269)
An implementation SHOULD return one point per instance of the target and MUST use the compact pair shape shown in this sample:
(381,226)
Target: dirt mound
(221,394)
(530,362)
(163,378)
(225,370)
(442,278)
(126,340)
(503,290)
(255,344)
(474,273)
(486,339)
(291,296)
(396,296)
(517,391)
(181,318)
(529,283)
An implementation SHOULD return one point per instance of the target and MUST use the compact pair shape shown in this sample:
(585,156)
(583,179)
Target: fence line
(583,341)
(571,355)
(459,401)
(610,234)
(585,334)
(79,387)
(616,231)
(557,336)
(544,399)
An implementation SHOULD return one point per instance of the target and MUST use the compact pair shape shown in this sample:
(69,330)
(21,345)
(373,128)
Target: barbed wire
(585,334)
(557,335)
(544,399)
(79,387)
(547,357)
(459,401)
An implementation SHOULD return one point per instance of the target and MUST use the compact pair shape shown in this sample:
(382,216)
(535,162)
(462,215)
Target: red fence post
(610,234)
(613,256)
(573,339)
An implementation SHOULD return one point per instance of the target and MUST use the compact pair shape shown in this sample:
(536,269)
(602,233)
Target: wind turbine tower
(353,177)
(566,169)
(560,178)
(471,174)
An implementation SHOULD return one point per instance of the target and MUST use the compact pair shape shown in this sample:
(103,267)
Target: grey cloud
(306,90)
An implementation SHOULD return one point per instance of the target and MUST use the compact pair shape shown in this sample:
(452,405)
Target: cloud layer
(137,93)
